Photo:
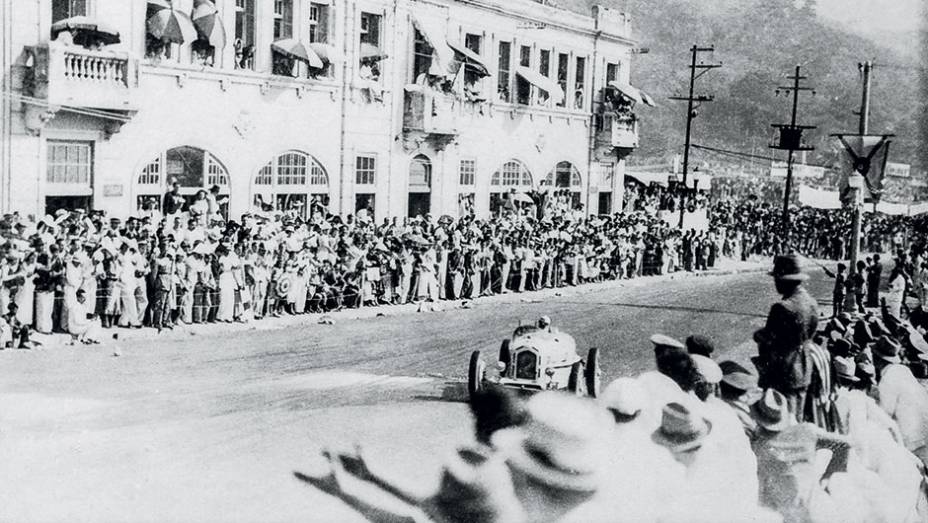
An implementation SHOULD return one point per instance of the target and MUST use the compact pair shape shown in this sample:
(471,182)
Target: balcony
(65,75)
(431,115)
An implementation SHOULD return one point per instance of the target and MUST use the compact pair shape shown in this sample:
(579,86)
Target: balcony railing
(431,113)
(73,76)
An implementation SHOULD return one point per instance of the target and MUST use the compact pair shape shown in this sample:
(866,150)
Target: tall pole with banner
(865,176)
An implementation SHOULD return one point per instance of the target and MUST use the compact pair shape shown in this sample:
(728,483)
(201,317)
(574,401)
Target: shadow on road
(453,391)
(679,308)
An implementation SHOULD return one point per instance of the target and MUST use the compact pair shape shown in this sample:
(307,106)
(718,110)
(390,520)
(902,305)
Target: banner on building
(800,170)
(898,170)
(819,198)
(893,209)
(697,220)
(867,155)
(918,208)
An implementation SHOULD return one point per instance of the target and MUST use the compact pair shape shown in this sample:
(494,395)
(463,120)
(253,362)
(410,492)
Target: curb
(115,337)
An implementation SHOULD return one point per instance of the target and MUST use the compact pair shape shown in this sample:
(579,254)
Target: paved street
(211,428)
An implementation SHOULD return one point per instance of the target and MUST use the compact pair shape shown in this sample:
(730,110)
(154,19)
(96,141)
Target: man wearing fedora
(786,456)
(784,361)
(902,396)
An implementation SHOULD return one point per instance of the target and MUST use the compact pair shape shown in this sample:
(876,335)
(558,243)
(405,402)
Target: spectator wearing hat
(15,332)
(737,389)
(902,396)
(784,362)
(559,459)
(702,345)
(644,469)
(874,275)
(786,454)
(711,476)
(840,290)
(856,413)
(733,459)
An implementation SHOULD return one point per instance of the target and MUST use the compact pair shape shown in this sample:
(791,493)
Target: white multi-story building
(402,106)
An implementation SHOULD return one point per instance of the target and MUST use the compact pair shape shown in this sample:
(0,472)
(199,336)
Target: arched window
(512,174)
(292,181)
(420,174)
(193,169)
(564,176)
(419,200)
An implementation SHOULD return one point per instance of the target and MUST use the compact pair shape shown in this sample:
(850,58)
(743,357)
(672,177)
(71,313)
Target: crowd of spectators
(78,273)
(829,424)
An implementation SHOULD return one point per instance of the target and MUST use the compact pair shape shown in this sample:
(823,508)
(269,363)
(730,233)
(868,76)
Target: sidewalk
(117,336)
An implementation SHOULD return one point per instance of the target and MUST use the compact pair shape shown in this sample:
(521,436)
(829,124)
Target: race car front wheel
(475,373)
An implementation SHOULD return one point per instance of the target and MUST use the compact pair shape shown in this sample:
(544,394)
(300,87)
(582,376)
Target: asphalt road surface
(211,428)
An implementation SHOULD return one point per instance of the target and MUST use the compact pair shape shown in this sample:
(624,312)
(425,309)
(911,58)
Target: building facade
(403,107)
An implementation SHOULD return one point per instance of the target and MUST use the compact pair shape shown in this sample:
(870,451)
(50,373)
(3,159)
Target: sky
(881,15)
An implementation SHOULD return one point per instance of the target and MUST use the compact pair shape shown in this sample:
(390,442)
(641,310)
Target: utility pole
(692,105)
(791,141)
(856,182)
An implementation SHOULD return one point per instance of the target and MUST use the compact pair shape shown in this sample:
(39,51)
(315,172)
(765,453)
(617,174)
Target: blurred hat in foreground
(562,445)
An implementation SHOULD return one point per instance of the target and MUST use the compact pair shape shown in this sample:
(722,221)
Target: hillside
(760,42)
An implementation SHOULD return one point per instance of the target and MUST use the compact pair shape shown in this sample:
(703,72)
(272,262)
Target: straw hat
(562,445)
(845,368)
(660,340)
(624,397)
(737,376)
(710,370)
(681,429)
(772,411)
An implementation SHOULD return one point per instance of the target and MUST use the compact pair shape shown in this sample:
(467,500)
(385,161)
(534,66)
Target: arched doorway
(292,182)
(420,186)
(192,168)
(511,177)
(567,183)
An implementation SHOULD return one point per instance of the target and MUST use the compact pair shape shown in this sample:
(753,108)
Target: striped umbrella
(159,4)
(298,51)
(85,28)
(208,24)
(171,26)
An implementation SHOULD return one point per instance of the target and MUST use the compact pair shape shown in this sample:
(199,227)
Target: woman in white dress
(896,295)
(227,266)
(25,295)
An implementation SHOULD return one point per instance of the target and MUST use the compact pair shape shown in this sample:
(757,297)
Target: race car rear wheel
(575,382)
(593,372)
(475,373)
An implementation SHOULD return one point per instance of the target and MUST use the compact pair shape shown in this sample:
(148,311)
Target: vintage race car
(535,359)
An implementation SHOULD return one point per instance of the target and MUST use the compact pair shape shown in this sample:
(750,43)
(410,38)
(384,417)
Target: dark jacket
(791,323)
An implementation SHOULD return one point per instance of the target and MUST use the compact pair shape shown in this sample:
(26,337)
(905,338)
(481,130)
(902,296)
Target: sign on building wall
(113,190)
(898,170)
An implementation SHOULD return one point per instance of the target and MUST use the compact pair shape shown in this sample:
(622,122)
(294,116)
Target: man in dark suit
(874,273)
(784,362)
(173,201)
